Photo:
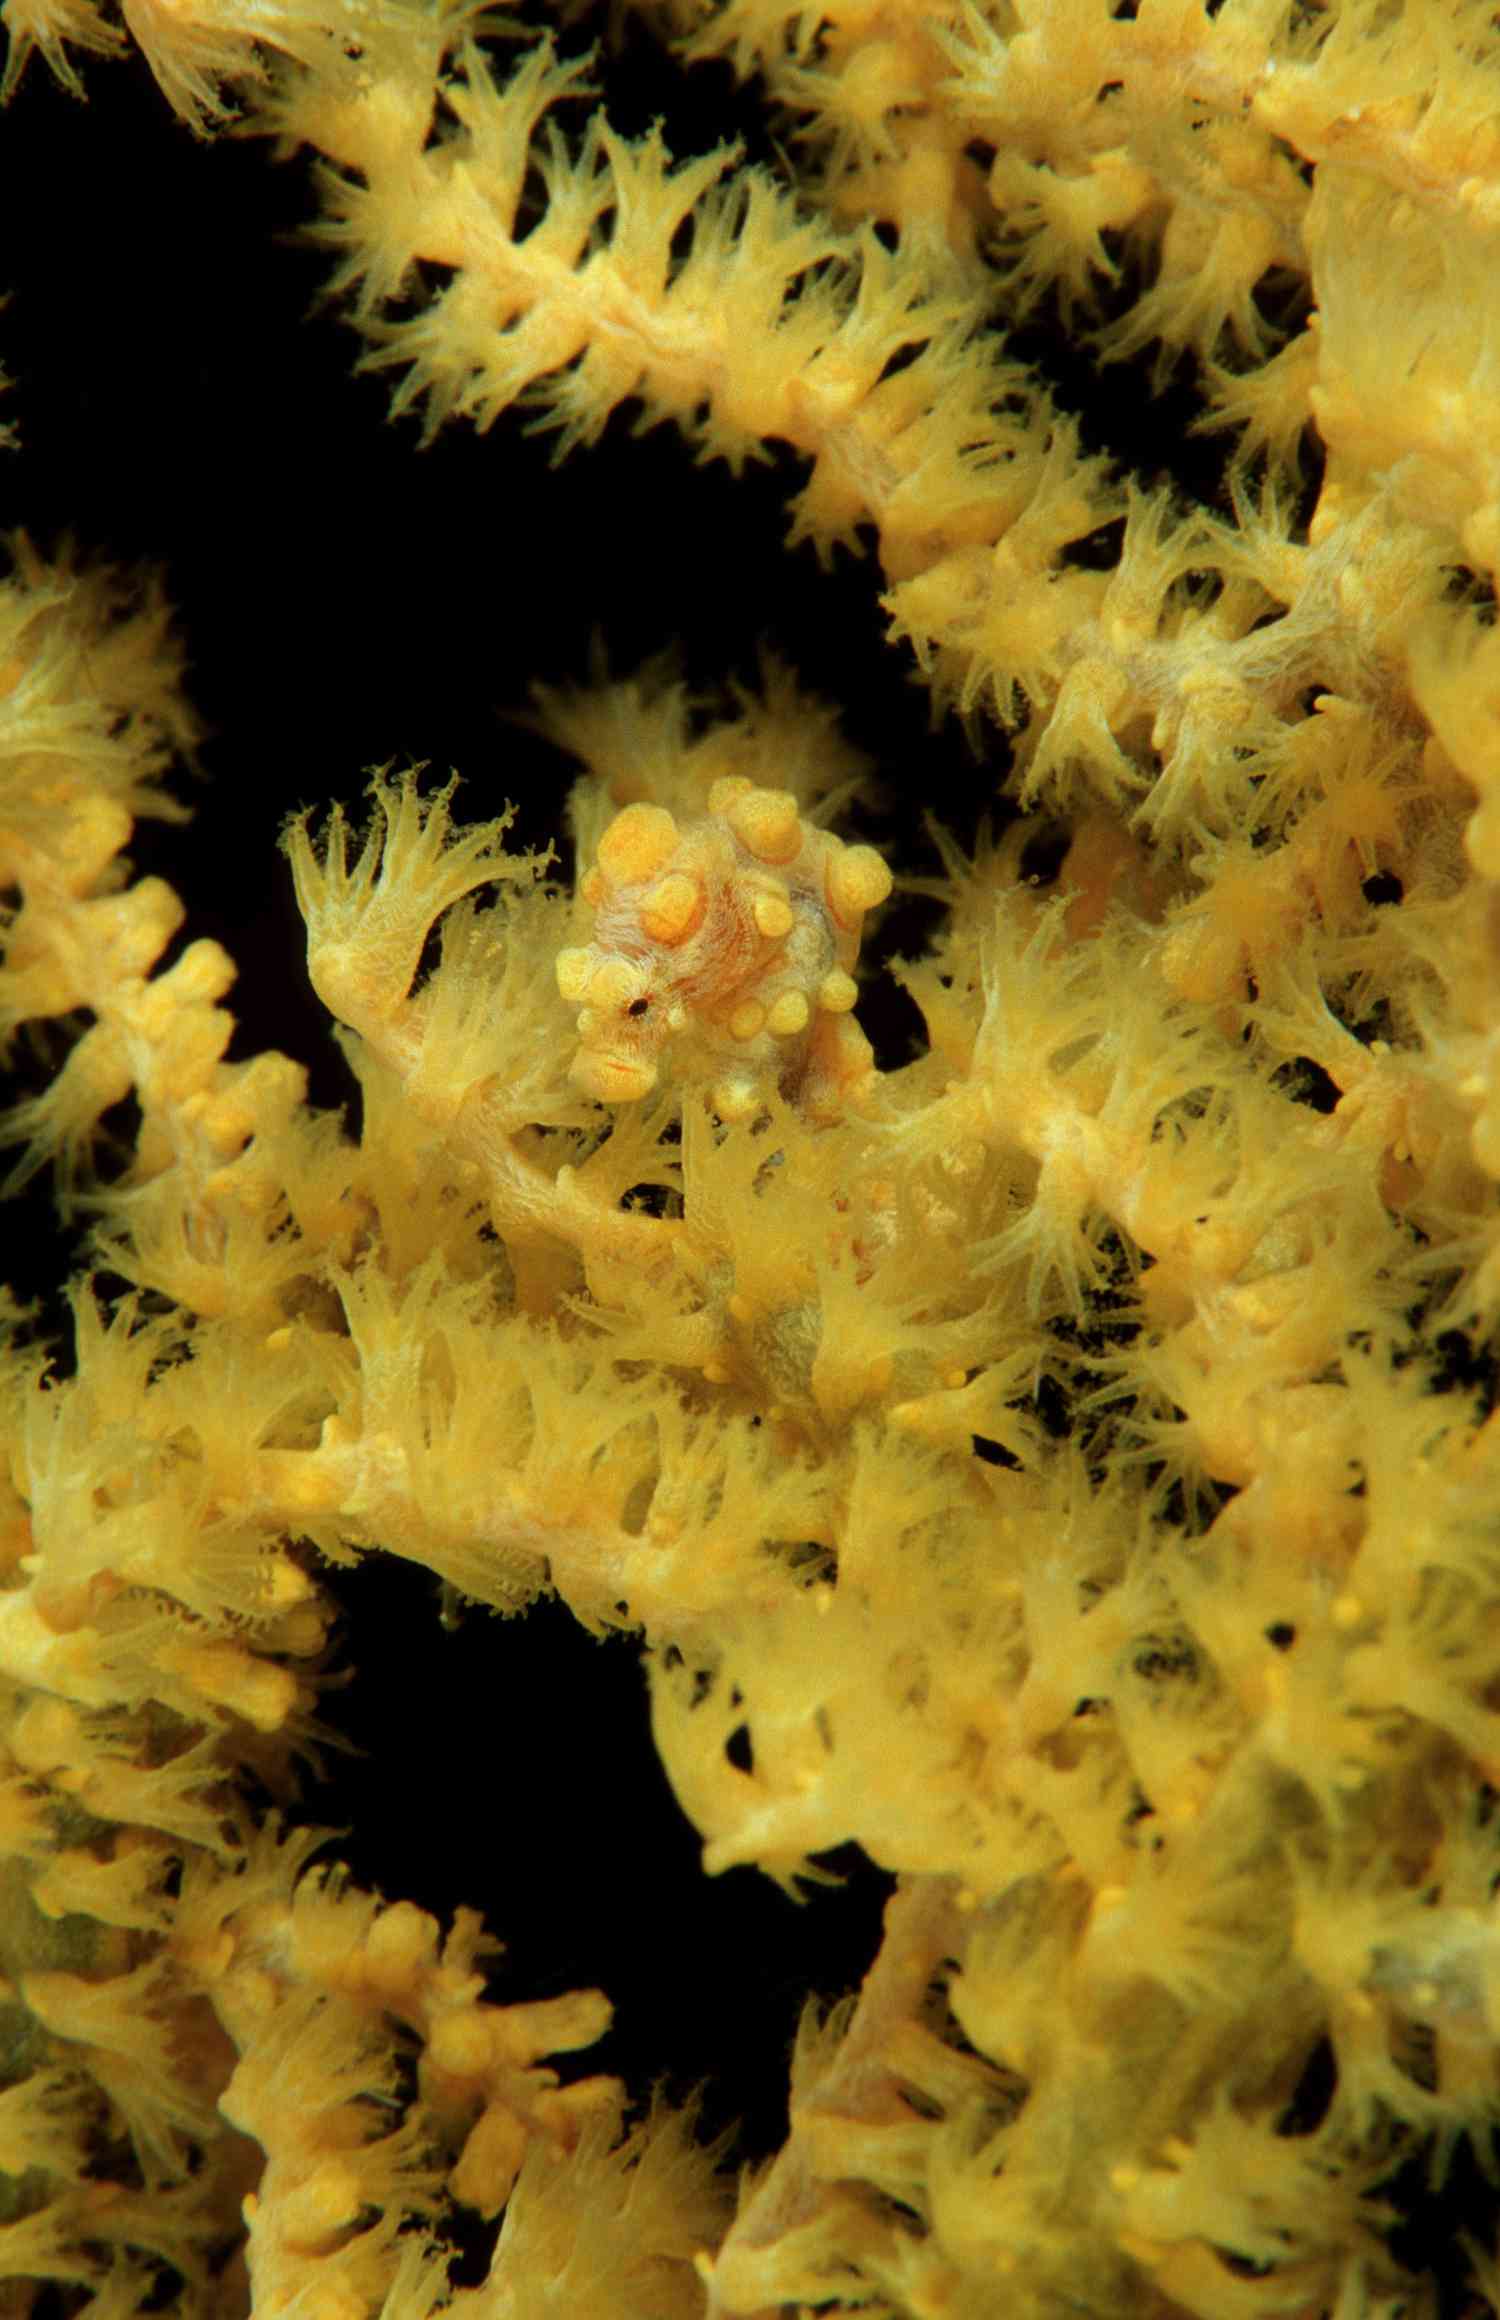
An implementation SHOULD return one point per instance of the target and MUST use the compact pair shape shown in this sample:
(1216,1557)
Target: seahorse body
(722,955)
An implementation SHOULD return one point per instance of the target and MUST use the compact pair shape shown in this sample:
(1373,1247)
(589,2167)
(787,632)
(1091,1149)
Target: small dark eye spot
(637,1006)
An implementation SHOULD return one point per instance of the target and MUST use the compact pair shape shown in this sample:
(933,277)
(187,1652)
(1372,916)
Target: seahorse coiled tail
(723,955)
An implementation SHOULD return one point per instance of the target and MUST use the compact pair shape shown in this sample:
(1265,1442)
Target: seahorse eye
(638,1007)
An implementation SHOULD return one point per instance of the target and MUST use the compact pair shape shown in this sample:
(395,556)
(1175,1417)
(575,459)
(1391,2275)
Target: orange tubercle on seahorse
(722,955)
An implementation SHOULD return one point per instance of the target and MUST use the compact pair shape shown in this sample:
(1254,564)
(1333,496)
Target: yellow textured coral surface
(1053,1452)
